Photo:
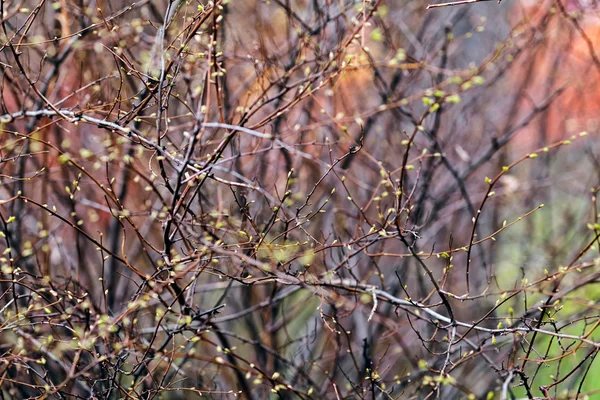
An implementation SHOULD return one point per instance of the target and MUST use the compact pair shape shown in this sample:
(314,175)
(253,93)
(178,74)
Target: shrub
(298,200)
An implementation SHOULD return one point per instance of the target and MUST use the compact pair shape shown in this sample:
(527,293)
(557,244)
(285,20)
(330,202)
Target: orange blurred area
(563,54)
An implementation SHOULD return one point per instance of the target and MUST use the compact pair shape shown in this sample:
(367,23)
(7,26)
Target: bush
(306,200)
